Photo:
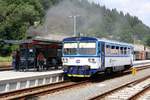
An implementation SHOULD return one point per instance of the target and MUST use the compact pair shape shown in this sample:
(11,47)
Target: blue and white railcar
(85,56)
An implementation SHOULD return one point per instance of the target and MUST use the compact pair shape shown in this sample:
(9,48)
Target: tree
(16,16)
(147,40)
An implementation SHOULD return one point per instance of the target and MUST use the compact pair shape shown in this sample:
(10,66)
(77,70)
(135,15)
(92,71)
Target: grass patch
(6,59)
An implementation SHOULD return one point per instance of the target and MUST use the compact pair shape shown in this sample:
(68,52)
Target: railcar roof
(95,39)
(115,42)
(80,39)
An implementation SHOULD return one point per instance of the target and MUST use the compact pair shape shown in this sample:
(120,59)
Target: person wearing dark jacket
(17,60)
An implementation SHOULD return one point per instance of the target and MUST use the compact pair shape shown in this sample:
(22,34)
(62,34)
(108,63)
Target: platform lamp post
(75,24)
(46,27)
(134,38)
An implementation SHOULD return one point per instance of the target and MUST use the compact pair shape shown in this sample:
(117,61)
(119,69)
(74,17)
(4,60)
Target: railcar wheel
(108,71)
(126,67)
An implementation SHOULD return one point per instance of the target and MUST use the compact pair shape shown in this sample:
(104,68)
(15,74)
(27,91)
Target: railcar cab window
(70,48)
(87,48)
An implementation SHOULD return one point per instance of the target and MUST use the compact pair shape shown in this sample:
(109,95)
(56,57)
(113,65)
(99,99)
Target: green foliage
(95,20)
(117,25)
(6,59)
(16,16)
(147,40)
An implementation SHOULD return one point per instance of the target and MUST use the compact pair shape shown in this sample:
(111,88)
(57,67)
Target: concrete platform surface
(141,62)
(12,80)
(8,75)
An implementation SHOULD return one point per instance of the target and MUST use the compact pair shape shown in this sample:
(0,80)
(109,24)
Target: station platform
(141,63)
(12,80)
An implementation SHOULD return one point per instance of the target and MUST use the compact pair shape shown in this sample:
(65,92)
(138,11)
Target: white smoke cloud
(57,18)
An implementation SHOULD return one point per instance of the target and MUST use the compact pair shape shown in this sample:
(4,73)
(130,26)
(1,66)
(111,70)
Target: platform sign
(134,70)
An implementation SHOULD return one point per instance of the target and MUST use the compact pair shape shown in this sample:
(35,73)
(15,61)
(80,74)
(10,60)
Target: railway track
(6,68)
(138,94)
(51,88)
(40,90)
(129,91)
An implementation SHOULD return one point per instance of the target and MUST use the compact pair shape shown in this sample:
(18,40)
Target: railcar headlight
(87,67)
(64,60)
(92,60)
(65,67)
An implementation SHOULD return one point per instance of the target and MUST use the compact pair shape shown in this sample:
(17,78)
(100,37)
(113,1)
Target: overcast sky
(139,8)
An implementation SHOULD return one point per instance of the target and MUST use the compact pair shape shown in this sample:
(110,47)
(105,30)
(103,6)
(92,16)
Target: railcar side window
(121,50)
(107,49)
(117,50)
(129,51)
(112,50)
(70,48)
(125,50)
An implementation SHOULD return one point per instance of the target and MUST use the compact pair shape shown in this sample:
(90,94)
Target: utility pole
(45,28)
(74,24)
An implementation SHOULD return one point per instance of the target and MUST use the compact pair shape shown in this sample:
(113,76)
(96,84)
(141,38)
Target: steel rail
(6,68)
(137,95)
(103,95)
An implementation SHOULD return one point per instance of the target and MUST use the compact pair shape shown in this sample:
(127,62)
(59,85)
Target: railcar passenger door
(102,54)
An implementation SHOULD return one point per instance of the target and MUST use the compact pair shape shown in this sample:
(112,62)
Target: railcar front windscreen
(81,48)
(70,48)
(87,48)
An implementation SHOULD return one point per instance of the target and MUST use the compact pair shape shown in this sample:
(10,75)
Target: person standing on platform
(14,59)
(17,60)
(40,60)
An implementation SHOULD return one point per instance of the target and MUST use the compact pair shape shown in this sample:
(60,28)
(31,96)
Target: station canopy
(40,39)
